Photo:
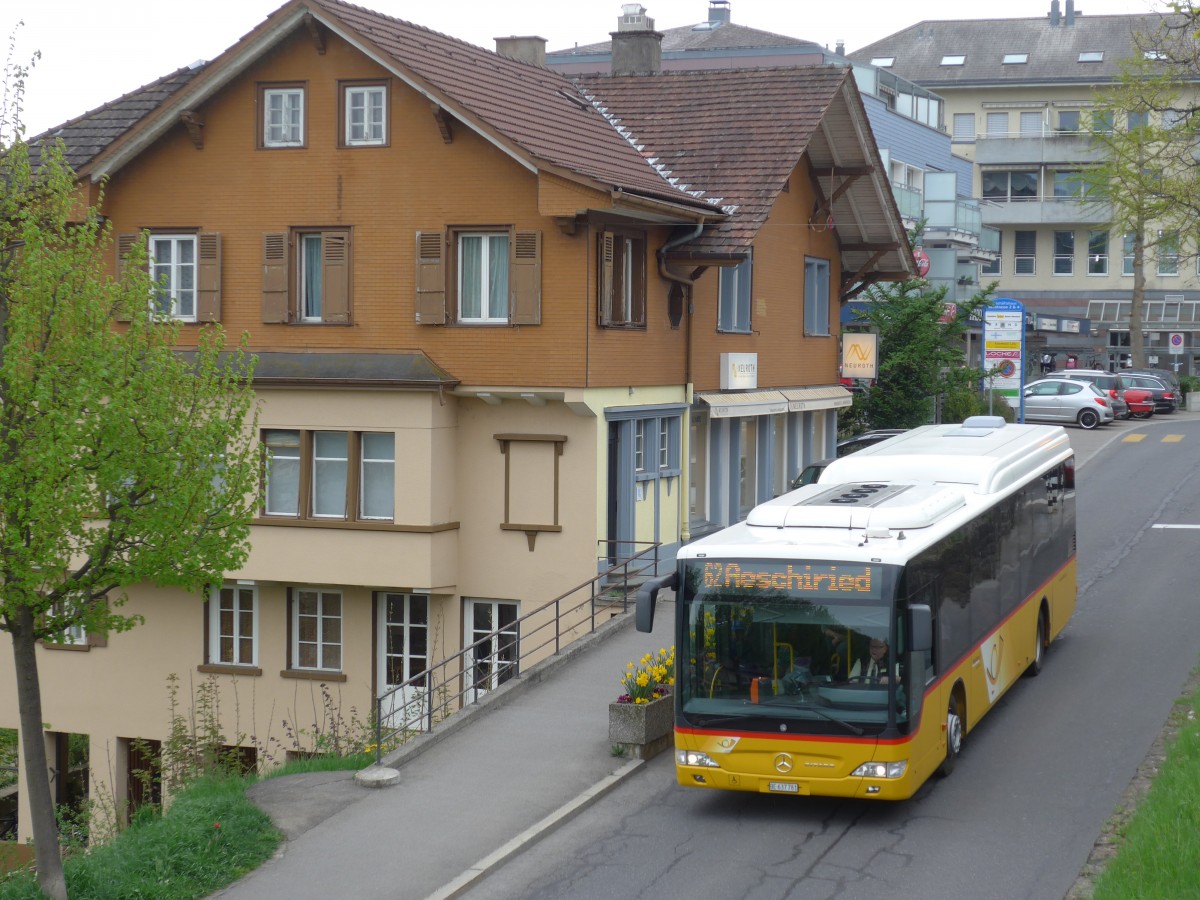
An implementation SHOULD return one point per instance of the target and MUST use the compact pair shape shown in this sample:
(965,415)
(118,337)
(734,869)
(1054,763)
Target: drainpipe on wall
(685,533)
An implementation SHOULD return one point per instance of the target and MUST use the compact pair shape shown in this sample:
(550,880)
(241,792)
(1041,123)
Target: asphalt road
(1038,777)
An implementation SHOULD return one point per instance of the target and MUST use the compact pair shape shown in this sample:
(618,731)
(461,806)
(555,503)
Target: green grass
(322,763)
(1159,856)
(210,837)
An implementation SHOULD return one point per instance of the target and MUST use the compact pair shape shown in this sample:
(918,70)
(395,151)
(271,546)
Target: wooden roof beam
(314,30)
(443,120)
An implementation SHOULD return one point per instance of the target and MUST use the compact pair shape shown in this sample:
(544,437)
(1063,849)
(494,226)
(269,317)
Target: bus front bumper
(796,770)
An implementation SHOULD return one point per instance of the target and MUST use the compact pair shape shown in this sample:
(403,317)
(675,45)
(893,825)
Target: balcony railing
(418,704)
(1047,146)
(1044,208)
(989,239)
(909,200)
(953,216)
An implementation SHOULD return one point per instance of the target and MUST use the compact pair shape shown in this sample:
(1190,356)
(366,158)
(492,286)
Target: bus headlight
(882,770)
(695,758)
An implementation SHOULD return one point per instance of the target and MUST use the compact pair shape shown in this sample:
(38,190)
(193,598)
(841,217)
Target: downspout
(685,533)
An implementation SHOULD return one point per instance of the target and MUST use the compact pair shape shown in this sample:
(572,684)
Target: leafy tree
(921,353)
(123,461)
(1144,176)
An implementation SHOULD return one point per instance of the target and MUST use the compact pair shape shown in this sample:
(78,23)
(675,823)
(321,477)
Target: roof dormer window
(954,59)
(1011,59)
(1091,56)
(883,62)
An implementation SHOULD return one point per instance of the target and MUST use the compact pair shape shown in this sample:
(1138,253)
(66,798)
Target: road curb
(535,832)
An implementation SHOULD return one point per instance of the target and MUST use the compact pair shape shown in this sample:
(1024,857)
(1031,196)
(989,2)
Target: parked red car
(1140,402)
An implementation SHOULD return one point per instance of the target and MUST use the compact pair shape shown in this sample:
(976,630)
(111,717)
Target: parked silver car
(1065,401)
(1111,384)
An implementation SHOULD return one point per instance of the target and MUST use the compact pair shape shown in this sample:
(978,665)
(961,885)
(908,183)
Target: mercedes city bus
(847,635)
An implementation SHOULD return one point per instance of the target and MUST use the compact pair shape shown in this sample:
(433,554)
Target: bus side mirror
(647,596)
(920,627)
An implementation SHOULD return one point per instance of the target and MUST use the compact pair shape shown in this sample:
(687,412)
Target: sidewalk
(536,752)
(502,774)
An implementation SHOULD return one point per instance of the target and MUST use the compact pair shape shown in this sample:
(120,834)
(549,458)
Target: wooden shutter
(637,303)
(605,298)
(275,277)
(525,279)
(208,294)
(431,278)
(125,245)
(335,276)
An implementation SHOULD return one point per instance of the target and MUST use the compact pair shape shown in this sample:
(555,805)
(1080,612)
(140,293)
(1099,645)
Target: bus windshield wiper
(751,714)
(808,707)
(725,720)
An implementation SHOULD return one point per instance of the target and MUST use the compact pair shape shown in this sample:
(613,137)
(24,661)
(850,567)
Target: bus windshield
(791,646)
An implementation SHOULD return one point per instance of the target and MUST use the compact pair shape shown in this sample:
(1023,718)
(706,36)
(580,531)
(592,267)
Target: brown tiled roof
(708,141)
(1053,49)
(87,135)
(536,114)
(537,109)
(738,134)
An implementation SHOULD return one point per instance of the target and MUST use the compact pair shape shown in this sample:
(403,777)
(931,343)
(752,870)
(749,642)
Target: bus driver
(875,667)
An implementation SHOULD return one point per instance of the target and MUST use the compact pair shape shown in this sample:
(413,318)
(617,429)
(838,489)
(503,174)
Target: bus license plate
(783,787)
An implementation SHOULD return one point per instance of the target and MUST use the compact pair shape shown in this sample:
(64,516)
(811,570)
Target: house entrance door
(493,624)
(403,627)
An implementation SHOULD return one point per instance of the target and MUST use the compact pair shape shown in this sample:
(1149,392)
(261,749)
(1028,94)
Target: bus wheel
(1039,649)
(954,736)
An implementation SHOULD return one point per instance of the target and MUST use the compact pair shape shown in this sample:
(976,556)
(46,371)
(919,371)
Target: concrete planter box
(1193,401)
(642,730)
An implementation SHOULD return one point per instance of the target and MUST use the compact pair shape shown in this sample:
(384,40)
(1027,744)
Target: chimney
(531,49)
(1070,18)
(636,46)
(1054,14)
(840,48)
(718,12)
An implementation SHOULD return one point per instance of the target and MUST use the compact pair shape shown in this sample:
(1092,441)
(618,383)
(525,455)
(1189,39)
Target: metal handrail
(443,689)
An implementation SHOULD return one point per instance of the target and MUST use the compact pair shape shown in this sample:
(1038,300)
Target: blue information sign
(1004,351)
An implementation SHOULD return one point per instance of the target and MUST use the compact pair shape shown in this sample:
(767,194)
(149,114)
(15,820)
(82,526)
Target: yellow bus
(846,637)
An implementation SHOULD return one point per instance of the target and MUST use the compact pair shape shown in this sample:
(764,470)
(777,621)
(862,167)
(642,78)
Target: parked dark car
(866,439)
(812,472)
(1166,376)
(1166,398)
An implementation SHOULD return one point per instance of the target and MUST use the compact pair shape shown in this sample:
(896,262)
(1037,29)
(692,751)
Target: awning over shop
(730,405)
(833,396)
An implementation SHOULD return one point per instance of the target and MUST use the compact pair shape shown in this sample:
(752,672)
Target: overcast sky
(93,51)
